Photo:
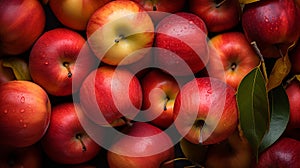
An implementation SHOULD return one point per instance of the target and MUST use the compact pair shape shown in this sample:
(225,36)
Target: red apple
(30,156)
(231,58)
(232,152)
(118,30)
(22,22)
(109,94)
(66,141)
(205,111)
(24,113)
(159,93)
(295,59)
(285,152)
(218,15)
(272,25)
(182,42)
(75,14)
(54,61)
(143,145)
(293,93)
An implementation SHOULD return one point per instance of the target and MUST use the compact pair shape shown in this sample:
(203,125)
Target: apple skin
(109,94)
(217,17)
(25,111)
(22,23)
(205,111)
(118,30)
(293,93)
(75,14)
(295,59)
(235,151)
(162,5)
(185,36)
(285,152)
(30,156)
(134,153)
(54,61)
(272,24)
(231,57)
(61,142)
(159,93)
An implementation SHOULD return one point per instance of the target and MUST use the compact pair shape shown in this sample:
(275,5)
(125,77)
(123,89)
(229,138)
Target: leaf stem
(262,60)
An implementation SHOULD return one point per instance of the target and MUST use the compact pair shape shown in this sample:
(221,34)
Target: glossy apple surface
(285,152)
(205,111)
(293,93)
(53,61)
(75,14)
(66,141)
(231,57)
(109,94)
(218,16)
(118,30)
(24,113)
(22,23)
(159,93)
(182,42)
(144,146)
(272,24)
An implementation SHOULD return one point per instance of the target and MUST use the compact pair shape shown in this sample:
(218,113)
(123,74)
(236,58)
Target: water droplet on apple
(22,110)
(191,22)
(22,99)
(5,111)
(46,63)
(24,125)
(209,91)
(21,121)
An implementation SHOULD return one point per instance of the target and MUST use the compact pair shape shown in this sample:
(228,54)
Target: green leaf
(253,105)
(279,110)
(18,66)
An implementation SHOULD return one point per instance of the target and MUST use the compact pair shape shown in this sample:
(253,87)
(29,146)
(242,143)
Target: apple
(205,111)
(159,93)
(231,57)
(293,93)
(143,145)
(235,151)
(218,15)
(54,61)
(285,152)
(66,141)
(75,14)
(181,40)
(272,25)
(196,153)
(30,156)
(24,113)
(22,23)
(294,56)
(108,94)
(120,29)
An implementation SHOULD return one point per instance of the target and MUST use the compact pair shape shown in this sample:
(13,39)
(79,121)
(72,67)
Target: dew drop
(22,99)
(21,121)
(209,91)
(5,111)
(46,63)
(191,22)
(24,125)
(22,110)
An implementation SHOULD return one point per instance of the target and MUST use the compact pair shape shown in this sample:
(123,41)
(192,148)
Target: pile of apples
(149,83)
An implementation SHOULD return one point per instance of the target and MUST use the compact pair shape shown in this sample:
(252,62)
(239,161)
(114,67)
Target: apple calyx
(118,39)
(79,136)
(233,66)
(219,4)
(67,65)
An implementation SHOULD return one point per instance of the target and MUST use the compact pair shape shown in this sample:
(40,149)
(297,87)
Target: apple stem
(253,43)
(79,137)
(165,104)
(118,39)
(127,122)
(67,65)
(220,3)
(195,164)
